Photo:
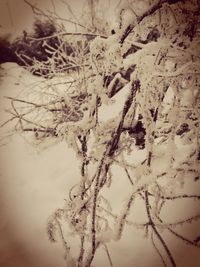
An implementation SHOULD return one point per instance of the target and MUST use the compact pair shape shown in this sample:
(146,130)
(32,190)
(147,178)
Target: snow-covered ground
(34,182)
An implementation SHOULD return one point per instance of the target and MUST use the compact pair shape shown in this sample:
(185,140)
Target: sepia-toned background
(34,181)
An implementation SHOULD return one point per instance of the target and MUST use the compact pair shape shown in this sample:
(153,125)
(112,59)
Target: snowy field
(35,181)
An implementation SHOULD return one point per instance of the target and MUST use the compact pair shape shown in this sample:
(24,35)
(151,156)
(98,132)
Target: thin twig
(108,255)
(190,242)
(157,250)
(151,223)
(67,33)
(177,197)
(128,175)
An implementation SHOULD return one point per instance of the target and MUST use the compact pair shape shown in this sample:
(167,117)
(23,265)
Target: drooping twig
(186,240)
(108,255)
(157,250)
(151,223)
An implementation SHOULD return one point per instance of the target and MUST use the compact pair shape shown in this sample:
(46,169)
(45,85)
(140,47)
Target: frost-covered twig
(61,34)
(186,240)
(157,250)
(177,197)
(151,223)
(164,225)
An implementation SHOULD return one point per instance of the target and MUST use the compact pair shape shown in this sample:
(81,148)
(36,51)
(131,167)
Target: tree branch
(149,12)
(67,33)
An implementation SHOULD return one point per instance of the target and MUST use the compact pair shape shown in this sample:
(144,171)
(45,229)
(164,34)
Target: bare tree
(153,56)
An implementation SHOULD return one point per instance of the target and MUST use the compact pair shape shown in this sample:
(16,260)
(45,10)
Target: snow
(33,184)
(112,109)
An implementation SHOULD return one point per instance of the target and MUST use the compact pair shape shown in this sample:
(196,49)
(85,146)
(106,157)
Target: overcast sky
(16,15)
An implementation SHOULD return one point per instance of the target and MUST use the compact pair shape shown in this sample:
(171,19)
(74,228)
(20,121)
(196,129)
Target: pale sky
(16,15)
